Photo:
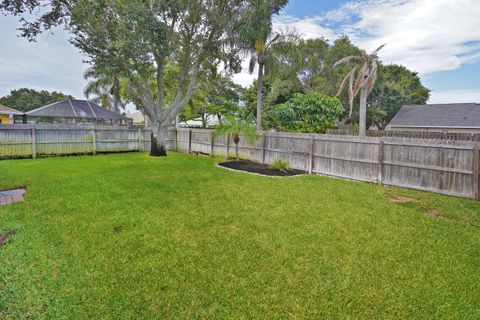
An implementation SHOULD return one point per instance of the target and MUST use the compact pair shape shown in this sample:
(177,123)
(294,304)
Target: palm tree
(106,89)
(361,81)
(237,128)
(263,53)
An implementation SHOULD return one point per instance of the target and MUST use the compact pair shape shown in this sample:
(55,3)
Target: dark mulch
(259,168)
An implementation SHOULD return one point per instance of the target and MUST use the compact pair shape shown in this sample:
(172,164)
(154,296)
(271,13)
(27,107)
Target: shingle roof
(438,115)
(7,110)
(72,108)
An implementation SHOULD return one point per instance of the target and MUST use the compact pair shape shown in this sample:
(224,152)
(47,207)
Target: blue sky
(439,39)
(445,80)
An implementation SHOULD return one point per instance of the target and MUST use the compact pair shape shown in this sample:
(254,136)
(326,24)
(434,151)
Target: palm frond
(374,53)
(249,132)
(347,78)
(91,73)
(351,92)
(233,126)
(372,77)
(346,60)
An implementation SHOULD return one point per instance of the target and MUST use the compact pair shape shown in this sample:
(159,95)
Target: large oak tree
(136,39)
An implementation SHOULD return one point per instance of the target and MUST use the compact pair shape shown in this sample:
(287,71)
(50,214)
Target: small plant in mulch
(237,128)
(280,165)
(5,236)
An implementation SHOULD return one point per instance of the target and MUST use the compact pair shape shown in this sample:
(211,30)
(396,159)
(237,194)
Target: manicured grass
(129,236)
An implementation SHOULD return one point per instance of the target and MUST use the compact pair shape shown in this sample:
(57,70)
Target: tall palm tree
(236,128)
(361,81)
(263,54)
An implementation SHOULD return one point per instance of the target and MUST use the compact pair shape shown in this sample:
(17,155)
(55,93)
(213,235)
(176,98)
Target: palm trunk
(115,104)
(259,96)
(159,141)
(236,151)
(362,122)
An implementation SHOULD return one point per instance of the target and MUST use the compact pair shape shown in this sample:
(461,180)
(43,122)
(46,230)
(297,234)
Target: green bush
(313,112)
(280,165)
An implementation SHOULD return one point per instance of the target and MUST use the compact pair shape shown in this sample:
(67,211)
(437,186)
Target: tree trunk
(236,151)
(362,122)
(159,142)
(259,96)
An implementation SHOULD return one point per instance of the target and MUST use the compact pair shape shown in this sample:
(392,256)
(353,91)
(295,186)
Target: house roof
(72,108)
(457,115)
(7,110)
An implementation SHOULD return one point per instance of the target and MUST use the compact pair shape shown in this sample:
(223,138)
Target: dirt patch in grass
(259,168)
(198,153)
(4,237)
(432,213)
(400,199)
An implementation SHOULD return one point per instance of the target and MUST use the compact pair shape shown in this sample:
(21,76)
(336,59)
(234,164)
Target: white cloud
(51,63)
(455,96)
(426,36)
(309,28)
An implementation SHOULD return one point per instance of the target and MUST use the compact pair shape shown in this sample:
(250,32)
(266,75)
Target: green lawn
(128,236)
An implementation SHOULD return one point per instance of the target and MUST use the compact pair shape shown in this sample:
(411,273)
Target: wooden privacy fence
(24,140)
(430,165)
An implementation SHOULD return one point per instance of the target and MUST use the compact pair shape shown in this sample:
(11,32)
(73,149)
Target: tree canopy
(395,85)
(26,99)
(162,49)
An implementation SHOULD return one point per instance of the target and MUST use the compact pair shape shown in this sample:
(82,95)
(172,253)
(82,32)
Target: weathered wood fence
(424,164)
(448,167)
(446,136)
(19,140)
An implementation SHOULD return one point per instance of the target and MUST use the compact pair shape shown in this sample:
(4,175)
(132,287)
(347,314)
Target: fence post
(476,169)
(94,141)
(139,139)
(227,156)
(264,142)
(380,161)
(211,143)
(312,150)
(176,138)
(189,141)
(34,143)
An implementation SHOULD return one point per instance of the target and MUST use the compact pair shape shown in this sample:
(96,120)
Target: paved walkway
(11,196)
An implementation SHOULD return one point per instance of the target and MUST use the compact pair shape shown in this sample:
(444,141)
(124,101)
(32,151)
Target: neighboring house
(7,114)
(446,118)
(137,117)
(209,121)
(72,111)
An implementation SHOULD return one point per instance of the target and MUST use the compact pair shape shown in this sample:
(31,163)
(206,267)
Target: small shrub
(280,165)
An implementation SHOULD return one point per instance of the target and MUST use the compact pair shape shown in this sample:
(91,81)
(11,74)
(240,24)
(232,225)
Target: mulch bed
(259,168)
